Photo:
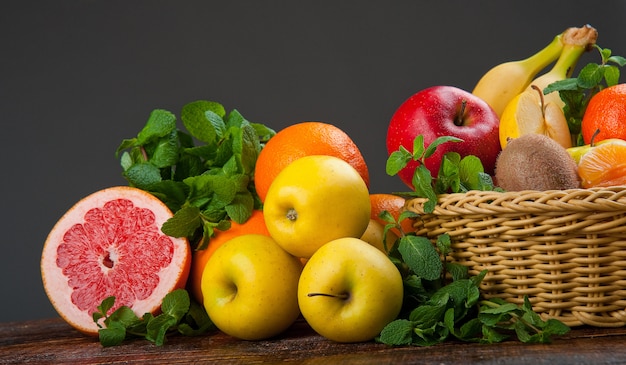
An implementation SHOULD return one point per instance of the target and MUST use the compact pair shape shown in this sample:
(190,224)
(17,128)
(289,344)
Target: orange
(254,225)
(394,204)
(304,139)
(606,112)
(604,165)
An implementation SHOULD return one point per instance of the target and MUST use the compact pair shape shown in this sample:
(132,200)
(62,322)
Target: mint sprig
(178,314)
(577,91)
(455,174)
(441,299)
(205,174)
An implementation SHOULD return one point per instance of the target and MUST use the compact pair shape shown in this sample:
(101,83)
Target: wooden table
(52,341)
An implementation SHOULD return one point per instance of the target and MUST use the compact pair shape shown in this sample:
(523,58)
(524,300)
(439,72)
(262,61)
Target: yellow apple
(314,200)
(349,290)
(249,287)
(374,236)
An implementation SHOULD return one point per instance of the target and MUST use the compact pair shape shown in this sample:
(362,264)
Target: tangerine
(606,114)
(604,165)
(110,244)
(304,139)
(394,204)
(254,225)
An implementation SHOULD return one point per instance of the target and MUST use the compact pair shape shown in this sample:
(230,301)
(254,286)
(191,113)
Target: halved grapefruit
(110,244)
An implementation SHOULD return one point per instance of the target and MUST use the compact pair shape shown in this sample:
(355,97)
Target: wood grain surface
(52,341)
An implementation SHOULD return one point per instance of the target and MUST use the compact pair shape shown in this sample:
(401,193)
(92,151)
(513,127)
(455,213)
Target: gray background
(77,77)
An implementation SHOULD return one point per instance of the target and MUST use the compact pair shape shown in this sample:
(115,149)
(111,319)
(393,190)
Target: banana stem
(576,41)
(544,57)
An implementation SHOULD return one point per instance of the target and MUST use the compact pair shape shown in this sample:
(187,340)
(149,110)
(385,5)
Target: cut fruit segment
(110,244)
(527,114)
(604,165)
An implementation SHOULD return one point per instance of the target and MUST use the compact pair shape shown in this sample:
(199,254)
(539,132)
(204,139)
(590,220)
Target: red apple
(445,111)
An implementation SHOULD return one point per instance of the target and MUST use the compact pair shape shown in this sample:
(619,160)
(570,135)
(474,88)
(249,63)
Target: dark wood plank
(54,342)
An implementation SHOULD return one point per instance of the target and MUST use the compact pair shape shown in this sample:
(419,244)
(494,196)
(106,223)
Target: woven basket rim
(605,199)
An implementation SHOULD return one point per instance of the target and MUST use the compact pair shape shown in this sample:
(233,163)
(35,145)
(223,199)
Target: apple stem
(340,296)
(459,119)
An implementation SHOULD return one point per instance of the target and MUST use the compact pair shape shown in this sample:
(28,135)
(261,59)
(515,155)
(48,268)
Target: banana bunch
(504,82)
(576,41)
(516,91)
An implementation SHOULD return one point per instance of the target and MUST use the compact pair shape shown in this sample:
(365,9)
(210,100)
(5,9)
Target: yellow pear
(528,113)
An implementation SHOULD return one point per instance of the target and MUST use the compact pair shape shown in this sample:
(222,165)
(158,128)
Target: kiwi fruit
(535,162)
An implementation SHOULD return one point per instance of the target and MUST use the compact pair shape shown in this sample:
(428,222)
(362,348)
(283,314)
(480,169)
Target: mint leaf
(471,173)
(157,328)
(432,147)
(207,170)
(263,132)
(183,223)
(491,335)
(113,335)
(203,119)
(397,333)
(143,175)
(457,271)
(166,151)
(178,313)
(196,321)
(422,183)
(176,304)
(397,161)
(160,124)
(444,244)
(418,147)
(240,208)
(428,315)
(420,255)
(103,309)
(123,315)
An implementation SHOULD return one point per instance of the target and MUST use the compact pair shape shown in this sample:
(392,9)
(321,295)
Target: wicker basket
(565,249)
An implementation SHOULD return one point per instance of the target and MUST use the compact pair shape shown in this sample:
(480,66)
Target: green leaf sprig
(456,174)
(441,299)
(178,314)
(577,91)
(205,174)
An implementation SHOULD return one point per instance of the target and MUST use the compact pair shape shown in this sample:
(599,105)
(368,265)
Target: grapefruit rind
(56,283)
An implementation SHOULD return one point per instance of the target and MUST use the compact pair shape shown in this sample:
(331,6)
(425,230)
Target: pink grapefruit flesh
(110,244)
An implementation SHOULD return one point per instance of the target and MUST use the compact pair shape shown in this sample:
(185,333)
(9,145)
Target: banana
(503,82)
(576,41)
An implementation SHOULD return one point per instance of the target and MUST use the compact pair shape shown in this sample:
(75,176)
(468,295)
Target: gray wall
(76,77)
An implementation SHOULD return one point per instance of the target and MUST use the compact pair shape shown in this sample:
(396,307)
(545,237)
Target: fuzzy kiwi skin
(535,162)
